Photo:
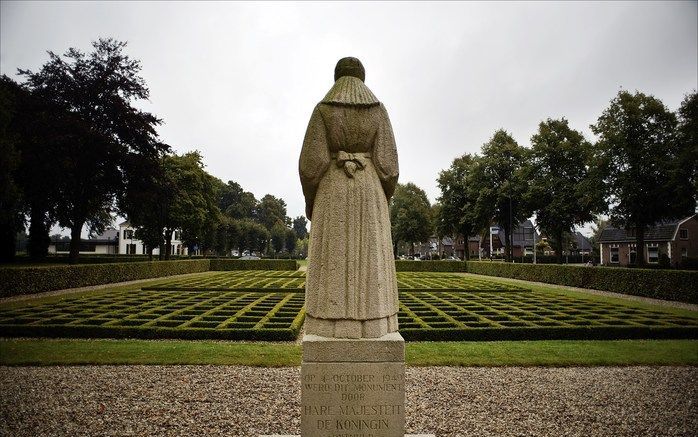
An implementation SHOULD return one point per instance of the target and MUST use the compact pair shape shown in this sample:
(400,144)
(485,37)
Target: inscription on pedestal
(353,399)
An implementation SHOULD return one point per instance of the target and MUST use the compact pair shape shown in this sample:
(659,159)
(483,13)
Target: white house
(120,241)
(130,245)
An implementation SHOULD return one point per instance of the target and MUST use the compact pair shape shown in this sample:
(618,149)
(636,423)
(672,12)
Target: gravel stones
(447,401)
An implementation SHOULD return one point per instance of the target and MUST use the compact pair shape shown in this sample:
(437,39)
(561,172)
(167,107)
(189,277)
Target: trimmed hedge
(253,264)
(549,333)
(678,285)
(430,266)
(86,331)
(26,280)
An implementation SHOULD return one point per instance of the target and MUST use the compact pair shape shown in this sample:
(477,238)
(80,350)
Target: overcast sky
(238,81)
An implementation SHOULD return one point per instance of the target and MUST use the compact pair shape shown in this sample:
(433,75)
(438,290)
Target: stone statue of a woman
(349,169)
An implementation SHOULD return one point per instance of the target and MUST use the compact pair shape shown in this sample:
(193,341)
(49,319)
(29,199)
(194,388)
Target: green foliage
(430,266)
(27,280)
(300,227)
(291,241)
(678,285)
(564,188)
(253,236)
(498,179)
(253,264)
(410,214)
(268,305)
(639,148)
(530,315)
(684,177)
(270,211)
(235,202)
(100,130)
(278,237)
(11,219)
(458,199)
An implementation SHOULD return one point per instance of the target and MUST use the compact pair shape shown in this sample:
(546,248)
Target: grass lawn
(504,353)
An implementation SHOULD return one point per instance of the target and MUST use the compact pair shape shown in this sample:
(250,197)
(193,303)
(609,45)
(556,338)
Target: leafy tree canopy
(640,150)
(564,189)
(410,214)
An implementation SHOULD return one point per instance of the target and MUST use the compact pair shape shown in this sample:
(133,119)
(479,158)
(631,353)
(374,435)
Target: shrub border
(677,285)
(18,280)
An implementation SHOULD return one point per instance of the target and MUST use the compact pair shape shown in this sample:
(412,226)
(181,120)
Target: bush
(679,285)
(223,264)
(549,333)
(430,266)
(25,280)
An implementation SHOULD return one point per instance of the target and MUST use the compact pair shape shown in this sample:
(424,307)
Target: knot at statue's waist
(351,162)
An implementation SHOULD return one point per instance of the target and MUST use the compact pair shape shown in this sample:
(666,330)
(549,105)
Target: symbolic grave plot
(530,315)
(435,282)
(268,305)
(261,280)
(163,314)
(234,280)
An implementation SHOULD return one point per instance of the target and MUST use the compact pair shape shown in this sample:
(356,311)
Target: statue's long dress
(349,170)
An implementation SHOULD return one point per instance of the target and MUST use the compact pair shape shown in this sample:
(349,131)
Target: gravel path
(447,401)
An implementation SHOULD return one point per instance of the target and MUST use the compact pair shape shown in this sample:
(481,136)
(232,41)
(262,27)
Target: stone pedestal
(353,387)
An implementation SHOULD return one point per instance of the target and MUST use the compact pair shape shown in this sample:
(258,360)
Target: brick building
(678,240)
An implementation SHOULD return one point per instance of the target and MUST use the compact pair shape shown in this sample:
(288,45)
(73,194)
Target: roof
(108,234)
(582,242)
(663,231)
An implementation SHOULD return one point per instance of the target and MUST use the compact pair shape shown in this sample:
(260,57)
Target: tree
(194,207)
(11,219)
(270,211)
(564,189)
(600,224)
(179,195)
(291,241)
(685,172)
(410,215)
(102,129)
(253,236)
(300,224)
(236,202)
(458,199)
(278,237)
(498,180)
(30,149)
(640,151)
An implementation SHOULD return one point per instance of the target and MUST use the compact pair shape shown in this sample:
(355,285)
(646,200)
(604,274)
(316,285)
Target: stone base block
(353,387)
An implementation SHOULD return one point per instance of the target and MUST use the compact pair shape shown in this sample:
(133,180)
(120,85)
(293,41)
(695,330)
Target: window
(683,234)
(652,253)
(614,255)
(128,234)
(684,252)
(130,249)
(176,235)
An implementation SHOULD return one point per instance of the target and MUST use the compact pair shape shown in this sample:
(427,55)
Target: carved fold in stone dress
(349,169)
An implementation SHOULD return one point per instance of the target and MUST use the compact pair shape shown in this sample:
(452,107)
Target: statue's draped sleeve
(314,160)
(385,154)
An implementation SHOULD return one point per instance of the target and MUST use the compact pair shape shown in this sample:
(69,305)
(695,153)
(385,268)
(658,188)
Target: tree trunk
(168,243)
(640,250)
(8,241)
(150,253)
(558,247)
(39,240)
(507,245)
(75,232)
